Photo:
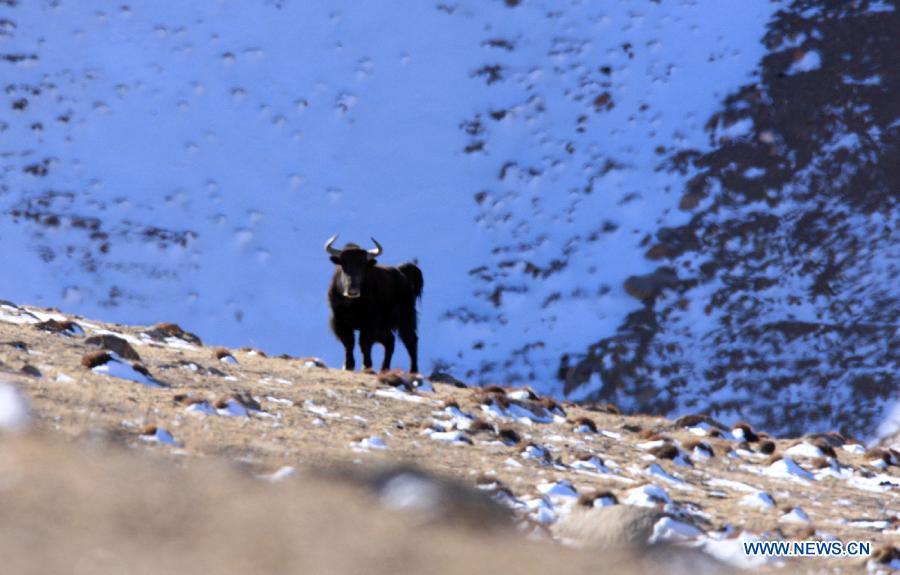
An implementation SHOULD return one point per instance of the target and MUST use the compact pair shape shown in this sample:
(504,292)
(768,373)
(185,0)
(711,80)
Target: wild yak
(374,300)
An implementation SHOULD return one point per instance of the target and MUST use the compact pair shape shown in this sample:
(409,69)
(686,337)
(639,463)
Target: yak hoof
(368,370)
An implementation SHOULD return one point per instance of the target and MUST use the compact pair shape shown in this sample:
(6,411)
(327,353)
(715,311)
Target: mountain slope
(191,162)
(707,486)
(678,206)
(784,310)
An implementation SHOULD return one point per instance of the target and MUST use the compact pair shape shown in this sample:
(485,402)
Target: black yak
(374,300)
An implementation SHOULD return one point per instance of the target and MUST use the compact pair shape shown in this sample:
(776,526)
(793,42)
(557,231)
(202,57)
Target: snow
(367,443)
(656,470)
(201,408)
(810,61)
(280,474)
(730,483)
(244,134)
(119,369)
(605,501)
(233,408)
(854,448)
(804,449)
(877,525)
(541,511)
(648,495)
(731,551)
(13,314)
(562,489)
(519,414)
(280,401)
(160,436)
(519,394)
(396,393)
(668,530)
(788,468)
(13,409)
(890,424)
(701,452)
(878,483)
(881,6)
(313,407)
(593,464)
(701,429)
(759,499)
(537,452)
(457,437)
(796,515)
(410,491)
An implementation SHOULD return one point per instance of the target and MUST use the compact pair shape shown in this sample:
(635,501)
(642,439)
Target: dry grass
(152,509)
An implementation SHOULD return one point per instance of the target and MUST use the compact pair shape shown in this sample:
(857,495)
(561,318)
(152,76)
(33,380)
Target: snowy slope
(186,162)
(589,101)
(785,306)
(218,144)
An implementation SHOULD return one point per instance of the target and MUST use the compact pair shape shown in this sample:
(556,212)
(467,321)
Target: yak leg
(411,342)
(345,334)
(366,341)
(387,340)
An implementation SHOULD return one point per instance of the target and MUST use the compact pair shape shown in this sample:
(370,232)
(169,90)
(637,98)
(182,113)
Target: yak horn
(377,251)
(332,251)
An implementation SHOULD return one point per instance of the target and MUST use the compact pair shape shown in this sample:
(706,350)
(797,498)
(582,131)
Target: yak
(374,300)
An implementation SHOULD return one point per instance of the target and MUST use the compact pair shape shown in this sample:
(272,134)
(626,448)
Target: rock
(647,287)
(95,358)
(446,378)
(161,331)
(67,327)
(690,201)
(115,344)
(29,369)
(698,419)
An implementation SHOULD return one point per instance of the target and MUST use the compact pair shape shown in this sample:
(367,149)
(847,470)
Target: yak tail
(414,275)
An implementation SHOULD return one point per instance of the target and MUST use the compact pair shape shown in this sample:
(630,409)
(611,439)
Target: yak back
(414,275)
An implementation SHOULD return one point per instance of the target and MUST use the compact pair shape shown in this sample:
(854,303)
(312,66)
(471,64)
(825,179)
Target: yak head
(354,262)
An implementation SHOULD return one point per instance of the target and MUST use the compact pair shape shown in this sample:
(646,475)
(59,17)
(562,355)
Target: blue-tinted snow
(252,133)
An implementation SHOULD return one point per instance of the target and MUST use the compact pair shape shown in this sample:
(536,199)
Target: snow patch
(13,409)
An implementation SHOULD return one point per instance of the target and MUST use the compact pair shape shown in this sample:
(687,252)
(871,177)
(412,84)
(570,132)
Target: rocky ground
(147,450)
